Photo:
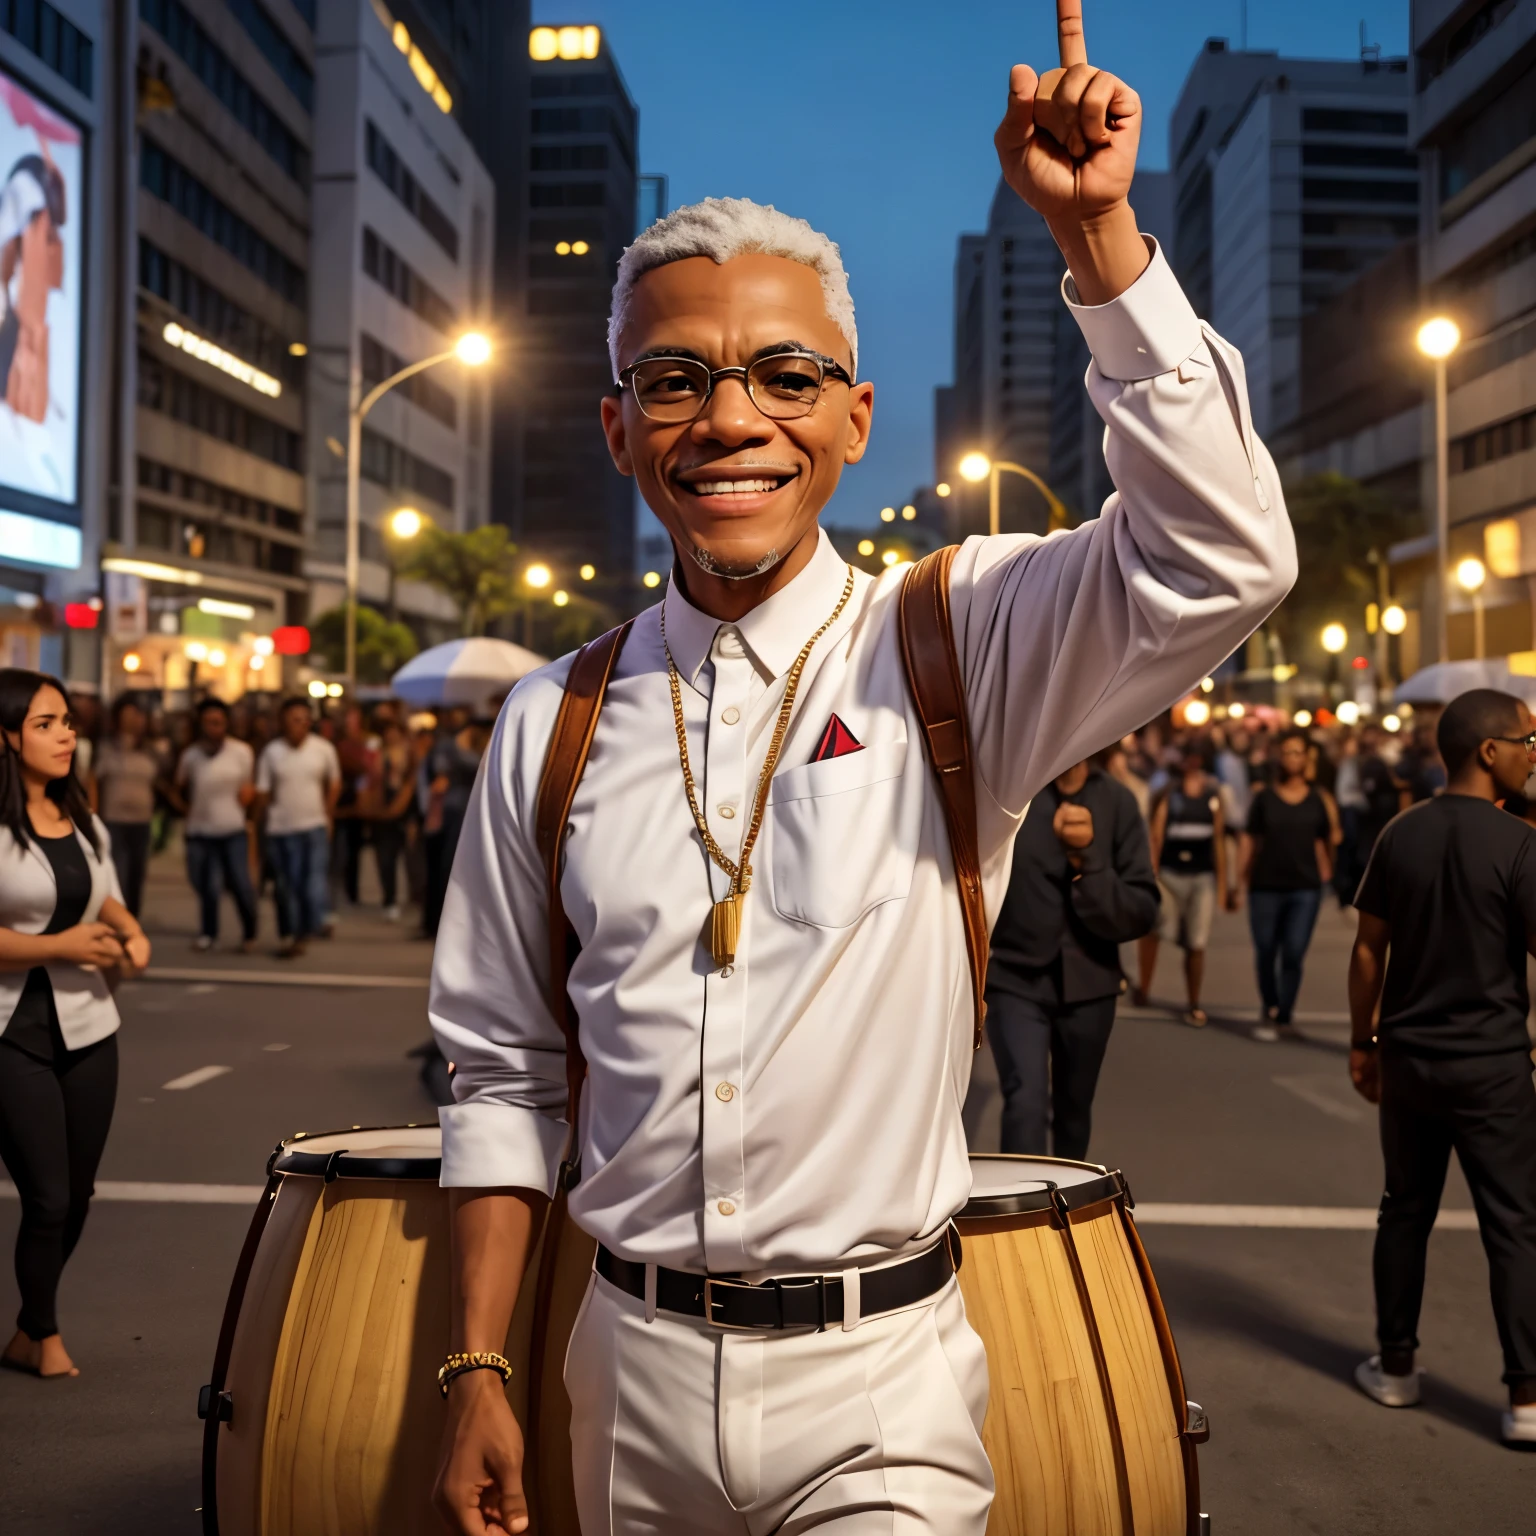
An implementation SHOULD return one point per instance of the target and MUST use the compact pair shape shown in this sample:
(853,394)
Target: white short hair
(723,227)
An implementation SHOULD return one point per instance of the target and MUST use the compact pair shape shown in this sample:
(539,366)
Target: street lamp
(1437,339)
(1471,573)
(1335,637)
(403,525)
(538,576)
(1394,619)
(471,349)
(977,467)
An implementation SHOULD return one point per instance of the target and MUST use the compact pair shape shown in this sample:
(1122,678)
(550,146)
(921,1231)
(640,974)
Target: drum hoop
(290,1159)
(1111,1186)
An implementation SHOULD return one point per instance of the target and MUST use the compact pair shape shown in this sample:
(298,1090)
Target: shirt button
(728,811)
(726,1208)
(725,1092)
(730,716)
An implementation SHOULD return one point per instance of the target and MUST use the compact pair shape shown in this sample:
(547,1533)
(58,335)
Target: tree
(383,646)
(473,570)
(1343,529)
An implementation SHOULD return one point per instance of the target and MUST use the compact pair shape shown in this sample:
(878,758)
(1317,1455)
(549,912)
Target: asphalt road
(1270,1323)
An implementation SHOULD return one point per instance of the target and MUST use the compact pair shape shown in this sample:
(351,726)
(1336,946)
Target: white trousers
(680,1429)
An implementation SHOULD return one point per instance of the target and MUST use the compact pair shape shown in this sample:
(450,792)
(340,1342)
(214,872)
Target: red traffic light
(1360,664)
(290,640)
(80,616)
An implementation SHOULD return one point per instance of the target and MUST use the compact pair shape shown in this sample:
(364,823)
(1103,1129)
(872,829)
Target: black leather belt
(795,1301)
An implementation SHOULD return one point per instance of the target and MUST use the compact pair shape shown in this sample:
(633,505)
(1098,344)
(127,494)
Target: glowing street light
(538,576)
(472,349)
(560,599)
(1335,637)
(1302,719)
(316,689)
(866,546)
(1348,712)
(587,572)
(652,578)
(1197,712)
(132,662)
(890,557)
(887,514)
(909,513)
(1394,620)
(942,488)
(975,467)
(1471,573)
(1392,723)
(1437,339)
(1238,710)
(406,523)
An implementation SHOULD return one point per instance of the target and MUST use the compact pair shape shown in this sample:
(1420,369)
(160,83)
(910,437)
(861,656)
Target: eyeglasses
(1528,742)
(782,385)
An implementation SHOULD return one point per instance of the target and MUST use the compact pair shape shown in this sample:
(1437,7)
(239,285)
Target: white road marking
(1327,1094)
(1311,1218)
(277,978)
(1307,1218)
(274,1047)
(195,1078)
(201,988)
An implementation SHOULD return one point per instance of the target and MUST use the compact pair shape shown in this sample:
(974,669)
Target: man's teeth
(732,487)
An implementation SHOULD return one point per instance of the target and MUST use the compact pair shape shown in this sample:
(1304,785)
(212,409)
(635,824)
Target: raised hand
(1073,824)
(1067,145)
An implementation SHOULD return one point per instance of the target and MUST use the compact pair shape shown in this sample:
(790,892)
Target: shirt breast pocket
(838,851)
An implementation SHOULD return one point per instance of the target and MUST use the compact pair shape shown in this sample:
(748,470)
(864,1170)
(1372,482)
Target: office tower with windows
(404,214)
(210,539)
(574,507)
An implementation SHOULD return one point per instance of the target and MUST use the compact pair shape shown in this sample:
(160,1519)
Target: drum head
(390,1152)
(1009,1186)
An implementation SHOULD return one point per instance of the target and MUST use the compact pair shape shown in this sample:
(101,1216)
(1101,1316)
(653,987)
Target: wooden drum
(1087,1426)
(323,1417)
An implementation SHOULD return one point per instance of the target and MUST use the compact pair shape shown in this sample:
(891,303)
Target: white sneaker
(1267,1033)
(202,943)
(1391,1391)
(1519,1425)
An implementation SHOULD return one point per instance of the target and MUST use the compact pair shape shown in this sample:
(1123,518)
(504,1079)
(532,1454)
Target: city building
(1291,176)
(571,507)
(206,539)
(404,216)
(60,111)
(1475,128)
(1078,473)
(1007,285)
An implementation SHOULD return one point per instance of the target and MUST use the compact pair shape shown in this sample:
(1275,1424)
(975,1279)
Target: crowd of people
(282,796)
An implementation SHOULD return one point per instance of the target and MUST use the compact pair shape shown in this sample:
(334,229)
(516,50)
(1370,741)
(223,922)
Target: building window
(386,463)
(573,194)
(1504,125)
(167,481)
(1343,120)
(212,314)
(379,363)
(1374,156)
(1317,189)
(1501,441)
(568,157)
(393,172)
(1445,49)
(277,50)
(56,40)
(393,273)
(173,394)
(169,180)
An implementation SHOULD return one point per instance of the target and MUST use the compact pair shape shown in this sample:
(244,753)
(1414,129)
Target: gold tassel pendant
(725,928)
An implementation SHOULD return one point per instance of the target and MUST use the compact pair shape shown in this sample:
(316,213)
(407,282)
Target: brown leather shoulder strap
(570,743)
(933,674)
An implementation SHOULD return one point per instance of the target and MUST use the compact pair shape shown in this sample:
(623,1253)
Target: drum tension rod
(223,1411)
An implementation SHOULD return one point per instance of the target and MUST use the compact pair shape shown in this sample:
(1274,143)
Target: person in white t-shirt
(213,790)
(297,782)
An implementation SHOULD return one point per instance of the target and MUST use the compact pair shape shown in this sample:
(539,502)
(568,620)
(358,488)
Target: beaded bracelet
(476,1360)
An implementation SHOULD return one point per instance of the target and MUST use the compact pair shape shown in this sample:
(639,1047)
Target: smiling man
(773,984)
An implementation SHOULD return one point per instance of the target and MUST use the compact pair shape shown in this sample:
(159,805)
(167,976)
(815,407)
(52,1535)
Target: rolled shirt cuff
(1150,329)
(498,1146)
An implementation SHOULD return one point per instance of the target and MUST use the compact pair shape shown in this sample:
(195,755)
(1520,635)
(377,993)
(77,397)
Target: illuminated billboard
(42,184)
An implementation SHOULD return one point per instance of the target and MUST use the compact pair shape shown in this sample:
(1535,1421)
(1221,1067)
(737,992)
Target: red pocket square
(836,741)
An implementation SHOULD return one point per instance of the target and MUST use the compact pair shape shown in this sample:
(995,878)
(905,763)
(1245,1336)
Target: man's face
(727,314)
(296,723)
(215,726)
(1512,762)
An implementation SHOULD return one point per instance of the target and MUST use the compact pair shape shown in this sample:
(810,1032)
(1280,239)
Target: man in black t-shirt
(1451,892)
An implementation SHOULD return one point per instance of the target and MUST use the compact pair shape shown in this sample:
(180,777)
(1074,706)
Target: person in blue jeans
(213,790)
(1285,860)
(298,780)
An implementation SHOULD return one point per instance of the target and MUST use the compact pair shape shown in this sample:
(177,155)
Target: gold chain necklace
(725,916)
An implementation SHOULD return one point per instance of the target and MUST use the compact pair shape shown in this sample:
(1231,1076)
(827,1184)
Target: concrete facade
(404,218)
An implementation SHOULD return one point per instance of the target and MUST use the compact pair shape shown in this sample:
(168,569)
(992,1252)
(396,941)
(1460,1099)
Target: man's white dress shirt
(800,1110)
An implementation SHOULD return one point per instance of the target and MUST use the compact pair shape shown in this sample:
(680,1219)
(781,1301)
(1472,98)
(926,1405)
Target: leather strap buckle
(710,1287)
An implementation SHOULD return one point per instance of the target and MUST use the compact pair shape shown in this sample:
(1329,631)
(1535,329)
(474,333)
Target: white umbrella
(1442,681)
(471,672)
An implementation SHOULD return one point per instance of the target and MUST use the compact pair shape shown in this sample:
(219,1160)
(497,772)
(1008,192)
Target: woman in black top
(62,925)
(1286,860)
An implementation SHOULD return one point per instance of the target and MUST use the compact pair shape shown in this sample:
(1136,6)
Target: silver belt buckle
(709,1305)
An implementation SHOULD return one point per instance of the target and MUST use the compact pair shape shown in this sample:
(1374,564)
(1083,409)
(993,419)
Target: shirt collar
(774,631)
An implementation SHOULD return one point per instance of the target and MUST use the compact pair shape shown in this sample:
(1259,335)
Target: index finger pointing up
(1069,32)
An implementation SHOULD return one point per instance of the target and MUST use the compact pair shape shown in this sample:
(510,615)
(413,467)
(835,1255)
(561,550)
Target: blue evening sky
(873,119)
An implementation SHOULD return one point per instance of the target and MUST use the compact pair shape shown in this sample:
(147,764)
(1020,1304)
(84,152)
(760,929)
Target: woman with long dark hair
(64,930)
